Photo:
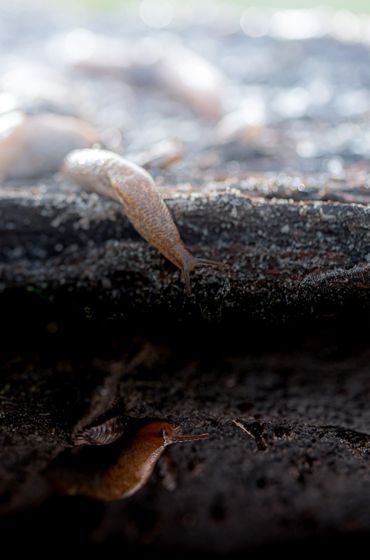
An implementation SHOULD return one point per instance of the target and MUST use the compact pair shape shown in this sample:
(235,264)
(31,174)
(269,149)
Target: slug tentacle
(195,437)
(191,263)
(110,175)
(171,435)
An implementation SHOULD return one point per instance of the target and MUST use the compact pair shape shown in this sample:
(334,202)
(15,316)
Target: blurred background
(222,87)
(356,5)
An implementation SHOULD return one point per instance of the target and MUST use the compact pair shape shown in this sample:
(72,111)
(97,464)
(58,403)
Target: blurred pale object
(83,48)
(156,13)
(161,155)
(353,103)
(310,23)
(347,26)
(300,24)
(291,103)
(161,62)
(135,62)
(255,22)
(243,125)
(8,102)
(33,145)
(194,80)
(306,148)
(45,92)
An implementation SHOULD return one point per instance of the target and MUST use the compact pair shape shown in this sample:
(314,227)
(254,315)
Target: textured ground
(300,470)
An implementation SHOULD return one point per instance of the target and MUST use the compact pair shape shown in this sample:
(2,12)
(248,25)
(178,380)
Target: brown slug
(110,175)
(132,468)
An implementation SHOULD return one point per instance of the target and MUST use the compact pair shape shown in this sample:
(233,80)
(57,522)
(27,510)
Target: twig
(242,427)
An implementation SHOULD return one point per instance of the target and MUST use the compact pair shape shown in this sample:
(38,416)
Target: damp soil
(286,410)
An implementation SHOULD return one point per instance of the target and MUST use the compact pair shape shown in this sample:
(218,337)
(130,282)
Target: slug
(110,175)
(34,145)
(132,468)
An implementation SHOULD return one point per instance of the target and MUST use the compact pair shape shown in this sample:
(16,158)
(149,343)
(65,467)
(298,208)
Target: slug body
(133,467)
(110,175)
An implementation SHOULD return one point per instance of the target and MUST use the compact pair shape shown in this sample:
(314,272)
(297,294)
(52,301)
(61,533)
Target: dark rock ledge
(284,256)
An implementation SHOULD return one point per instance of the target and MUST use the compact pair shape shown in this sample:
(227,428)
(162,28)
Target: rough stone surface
(283,257)
(299,469)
